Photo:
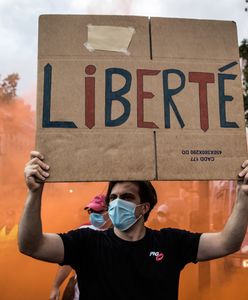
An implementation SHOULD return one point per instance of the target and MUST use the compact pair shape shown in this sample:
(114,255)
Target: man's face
(163,214)
(126,191)
(102,212)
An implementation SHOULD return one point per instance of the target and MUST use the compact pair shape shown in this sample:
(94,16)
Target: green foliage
(243,49)
(243,53)
(8,87)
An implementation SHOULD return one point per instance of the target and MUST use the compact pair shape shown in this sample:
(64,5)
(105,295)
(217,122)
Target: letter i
(90,97)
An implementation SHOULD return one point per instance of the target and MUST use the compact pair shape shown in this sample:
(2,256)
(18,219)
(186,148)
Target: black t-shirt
(110,268)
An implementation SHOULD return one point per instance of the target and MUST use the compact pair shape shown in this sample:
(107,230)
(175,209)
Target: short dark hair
(147,193)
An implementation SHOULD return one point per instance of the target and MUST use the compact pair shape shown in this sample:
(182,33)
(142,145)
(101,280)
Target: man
(99,220)
(129,261)
(164,217)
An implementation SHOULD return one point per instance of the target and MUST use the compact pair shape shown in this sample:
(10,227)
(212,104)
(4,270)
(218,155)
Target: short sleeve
(189,246)
(76,244)
(185,244)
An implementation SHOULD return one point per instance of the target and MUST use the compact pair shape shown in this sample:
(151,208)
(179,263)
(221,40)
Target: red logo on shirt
(158,255)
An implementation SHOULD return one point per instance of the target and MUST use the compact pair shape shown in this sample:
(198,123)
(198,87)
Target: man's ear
(146,207)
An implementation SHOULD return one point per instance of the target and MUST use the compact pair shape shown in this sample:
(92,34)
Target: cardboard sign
(132,98)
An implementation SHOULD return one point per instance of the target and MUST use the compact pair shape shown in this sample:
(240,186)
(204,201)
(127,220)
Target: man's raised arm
(31,240)
(229,240)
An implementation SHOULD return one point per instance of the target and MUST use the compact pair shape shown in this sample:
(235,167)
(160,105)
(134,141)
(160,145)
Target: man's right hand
(36,171)
(31,239)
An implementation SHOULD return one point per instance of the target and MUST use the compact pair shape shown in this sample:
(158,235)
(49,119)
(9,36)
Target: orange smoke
(192,205)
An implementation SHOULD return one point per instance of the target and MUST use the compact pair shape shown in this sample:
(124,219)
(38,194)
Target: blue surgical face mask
(97,220)
(122,214)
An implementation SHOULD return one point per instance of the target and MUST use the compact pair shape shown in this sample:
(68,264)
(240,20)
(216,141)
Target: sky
(19,26)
